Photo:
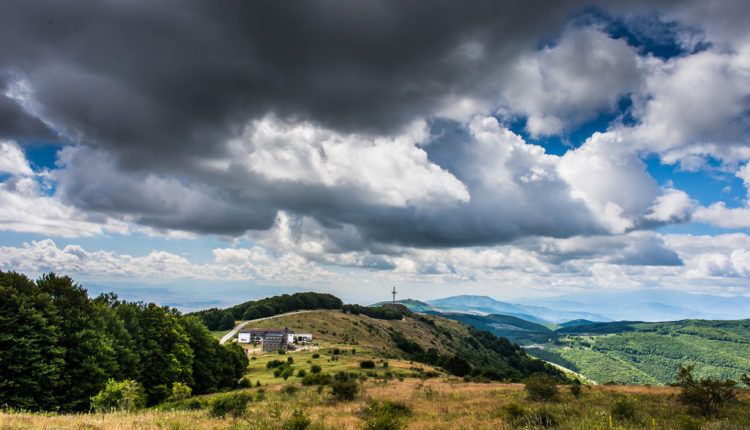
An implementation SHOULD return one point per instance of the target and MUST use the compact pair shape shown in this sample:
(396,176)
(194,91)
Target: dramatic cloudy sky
(195,152)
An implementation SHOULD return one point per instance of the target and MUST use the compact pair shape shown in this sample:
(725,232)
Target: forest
(59,347)
(224,319)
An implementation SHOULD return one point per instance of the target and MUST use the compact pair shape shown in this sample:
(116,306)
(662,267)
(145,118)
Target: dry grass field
(439,403)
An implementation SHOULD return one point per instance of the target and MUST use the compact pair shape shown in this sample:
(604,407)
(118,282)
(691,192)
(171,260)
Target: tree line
(224,319)
(59,347)
(377,312)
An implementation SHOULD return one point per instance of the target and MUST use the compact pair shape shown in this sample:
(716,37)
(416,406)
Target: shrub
(344,388)
(367,364)
(540,387)
(624,409)
(575,390)
(232,404)
(386,415)
(289,390)
(316,355)
(286,373)
(317,379)
(299,420)
(274,363)
(281,351)
(315,368)
(290,360)
(181,391)
(122,396)
(706,396)
(301,373)
(514,411)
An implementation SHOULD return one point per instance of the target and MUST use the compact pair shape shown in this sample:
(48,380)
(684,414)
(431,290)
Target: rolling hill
(415,337)
(651,353)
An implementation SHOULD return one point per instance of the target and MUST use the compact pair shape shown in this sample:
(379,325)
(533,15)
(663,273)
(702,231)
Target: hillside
(415,338)
(515,329)
(650,353)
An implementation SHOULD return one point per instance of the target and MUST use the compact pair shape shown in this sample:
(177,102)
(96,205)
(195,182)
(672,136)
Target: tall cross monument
(394,294)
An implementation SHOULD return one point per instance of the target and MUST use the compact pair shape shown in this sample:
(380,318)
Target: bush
(274,363)
(344,388)
(181,391)
(298,421)
(705,397)
(290,360)
(316,355)
(575,390)
(119,396)
(317,379)
(367,364)
(540,387)
(315,368)
(301,373)
(386,415)
(232,404)
(286,373)
(289,390)
(624,409)
(514,411)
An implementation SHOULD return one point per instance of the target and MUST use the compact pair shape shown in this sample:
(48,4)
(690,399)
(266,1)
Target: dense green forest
(650,353)
(59,347)
(379,312)
(223,319)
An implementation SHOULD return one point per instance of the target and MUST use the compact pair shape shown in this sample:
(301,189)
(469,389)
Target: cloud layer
(384,135)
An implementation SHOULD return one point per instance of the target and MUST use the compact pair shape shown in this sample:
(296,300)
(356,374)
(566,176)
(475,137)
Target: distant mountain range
(483,305)
(648,305)
(643,305)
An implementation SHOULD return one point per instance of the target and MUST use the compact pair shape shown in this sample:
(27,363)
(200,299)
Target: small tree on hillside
(540,387)
(119,396)
(706,396)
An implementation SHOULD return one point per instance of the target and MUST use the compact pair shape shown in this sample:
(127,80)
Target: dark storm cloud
(18,125)
(152,90)
(163,81)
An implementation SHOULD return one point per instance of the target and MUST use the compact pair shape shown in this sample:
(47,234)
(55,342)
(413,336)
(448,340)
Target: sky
(198,153)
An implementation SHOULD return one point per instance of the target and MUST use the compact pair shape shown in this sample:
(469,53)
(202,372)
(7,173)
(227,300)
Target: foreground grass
(440,403)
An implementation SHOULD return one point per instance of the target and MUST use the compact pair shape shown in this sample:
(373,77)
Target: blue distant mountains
(483,305)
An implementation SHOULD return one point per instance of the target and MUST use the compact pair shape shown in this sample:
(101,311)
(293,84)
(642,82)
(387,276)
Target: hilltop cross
(394,294)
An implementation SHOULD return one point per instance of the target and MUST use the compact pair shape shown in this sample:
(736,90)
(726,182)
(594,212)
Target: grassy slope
(348,330)
(650,353)
(434,404)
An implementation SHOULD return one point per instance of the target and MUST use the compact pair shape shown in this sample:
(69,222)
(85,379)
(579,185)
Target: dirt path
(239,326)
